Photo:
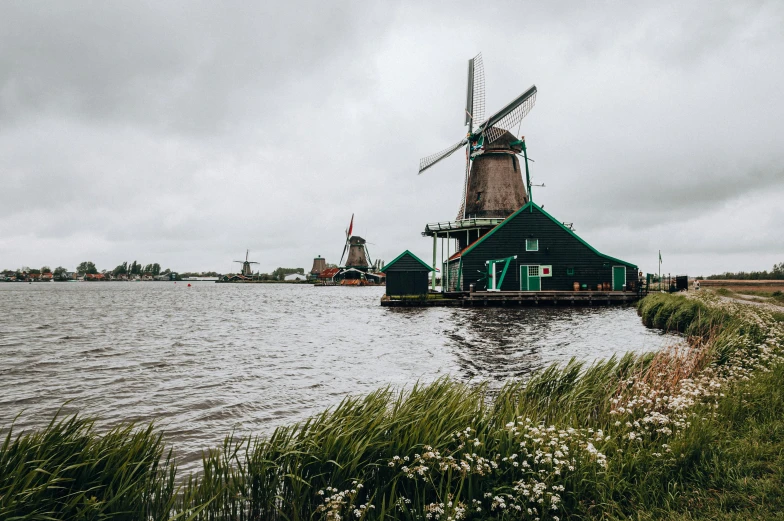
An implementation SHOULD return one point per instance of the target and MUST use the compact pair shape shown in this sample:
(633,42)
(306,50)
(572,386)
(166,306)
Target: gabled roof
(531,205)
(461,252)
(423,263)
(328,273)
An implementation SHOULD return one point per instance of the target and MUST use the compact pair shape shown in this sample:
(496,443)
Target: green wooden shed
(407,274)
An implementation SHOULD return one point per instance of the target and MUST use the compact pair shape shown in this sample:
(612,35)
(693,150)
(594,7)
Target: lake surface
(205,359)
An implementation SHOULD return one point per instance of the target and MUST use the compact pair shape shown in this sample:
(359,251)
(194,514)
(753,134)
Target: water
(205,359)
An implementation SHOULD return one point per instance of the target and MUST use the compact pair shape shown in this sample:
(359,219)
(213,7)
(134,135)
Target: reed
(609,439)
(67,471)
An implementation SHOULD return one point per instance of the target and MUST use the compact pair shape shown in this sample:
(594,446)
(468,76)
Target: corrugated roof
(328,273)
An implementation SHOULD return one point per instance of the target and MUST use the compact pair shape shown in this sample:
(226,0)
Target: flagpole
(660,281)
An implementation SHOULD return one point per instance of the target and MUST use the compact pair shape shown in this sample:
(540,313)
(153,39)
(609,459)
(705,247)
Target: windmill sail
(427,162)
(510,116)
(345,247)
(475,92)
(461,212)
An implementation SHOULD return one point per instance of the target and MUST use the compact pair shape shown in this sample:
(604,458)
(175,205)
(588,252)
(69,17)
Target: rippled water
(205,359)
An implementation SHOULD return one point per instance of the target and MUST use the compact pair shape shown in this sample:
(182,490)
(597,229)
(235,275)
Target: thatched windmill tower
(493,186)
(358,256)
(356,246)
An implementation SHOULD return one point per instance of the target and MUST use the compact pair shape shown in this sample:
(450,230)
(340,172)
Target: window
(570,271)
(533,271)
(532,245)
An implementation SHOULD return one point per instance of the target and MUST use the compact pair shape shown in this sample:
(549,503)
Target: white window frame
(532,249)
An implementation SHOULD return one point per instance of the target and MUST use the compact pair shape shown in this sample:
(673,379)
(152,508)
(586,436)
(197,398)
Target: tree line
(777,273)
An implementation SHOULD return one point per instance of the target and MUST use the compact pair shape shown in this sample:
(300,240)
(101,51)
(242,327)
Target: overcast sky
(184,133)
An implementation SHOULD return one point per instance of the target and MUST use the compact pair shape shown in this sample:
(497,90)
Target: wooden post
(446,271)
(442,264)
(435,248)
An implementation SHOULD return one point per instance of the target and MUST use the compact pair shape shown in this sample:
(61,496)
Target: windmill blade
(475,92)
(461,212)
(345,247)
(427,162)
(510,116)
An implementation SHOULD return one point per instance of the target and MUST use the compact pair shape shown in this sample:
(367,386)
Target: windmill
(246,271)
(493,185)
(358,256)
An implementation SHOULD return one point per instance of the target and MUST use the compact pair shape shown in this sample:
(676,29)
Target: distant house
(235,278)
(47,277)
(147,276)
(94,276)
(295,277)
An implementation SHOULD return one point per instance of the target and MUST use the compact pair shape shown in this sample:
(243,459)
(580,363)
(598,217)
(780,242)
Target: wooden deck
(516,298)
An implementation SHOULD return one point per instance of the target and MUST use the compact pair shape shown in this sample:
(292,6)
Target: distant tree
(35,271)
(134,268)
(156,269)
(87,267)
(60,273)
(777,274)
(122,269)
(331,265)
(46,269)
(147,269)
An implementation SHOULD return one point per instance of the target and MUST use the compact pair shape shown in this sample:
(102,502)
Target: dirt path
(762,302)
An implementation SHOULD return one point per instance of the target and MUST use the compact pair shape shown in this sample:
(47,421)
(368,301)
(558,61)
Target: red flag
(351,226)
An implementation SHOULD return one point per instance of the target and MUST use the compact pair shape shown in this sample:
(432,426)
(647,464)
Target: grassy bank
(693,432)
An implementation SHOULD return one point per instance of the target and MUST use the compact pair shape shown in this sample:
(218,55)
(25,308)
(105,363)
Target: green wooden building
(407,274)
(532,251)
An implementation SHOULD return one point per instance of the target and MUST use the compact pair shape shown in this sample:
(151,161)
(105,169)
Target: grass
(67,471)
(680,434)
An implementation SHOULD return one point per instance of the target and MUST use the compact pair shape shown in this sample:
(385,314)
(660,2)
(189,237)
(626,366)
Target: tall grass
(601,440)
(67,471)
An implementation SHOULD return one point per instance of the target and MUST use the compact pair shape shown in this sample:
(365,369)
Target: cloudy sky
(184,133)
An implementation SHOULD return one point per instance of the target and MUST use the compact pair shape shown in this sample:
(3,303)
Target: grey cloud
(191,131)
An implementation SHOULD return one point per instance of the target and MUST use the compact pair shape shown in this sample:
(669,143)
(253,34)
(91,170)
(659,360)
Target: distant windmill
(493,185)
(358,256)
(246,271)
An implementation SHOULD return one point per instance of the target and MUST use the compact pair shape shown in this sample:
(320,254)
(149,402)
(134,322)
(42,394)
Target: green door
(618,278)
(529,278)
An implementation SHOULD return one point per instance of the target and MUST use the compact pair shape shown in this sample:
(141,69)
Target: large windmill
(246,270)
(493,185)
